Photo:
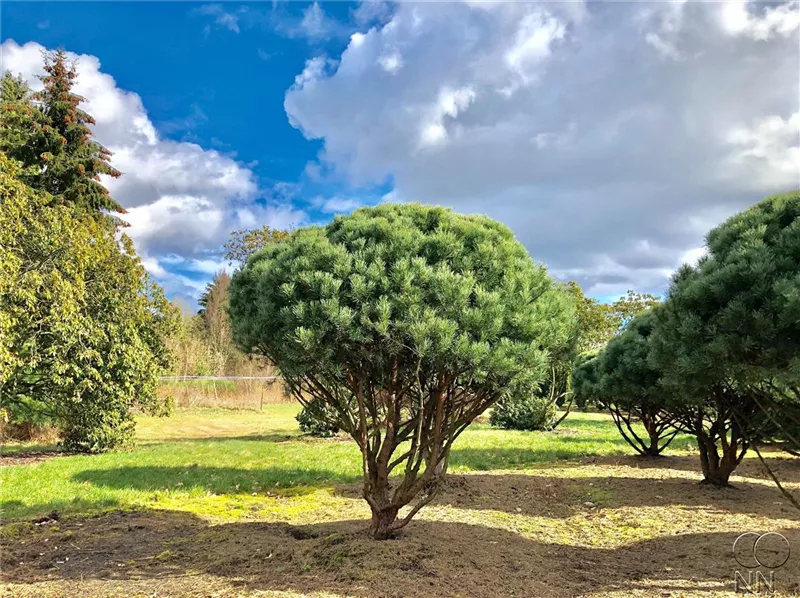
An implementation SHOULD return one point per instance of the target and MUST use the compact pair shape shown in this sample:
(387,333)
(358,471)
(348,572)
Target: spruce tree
(71,161)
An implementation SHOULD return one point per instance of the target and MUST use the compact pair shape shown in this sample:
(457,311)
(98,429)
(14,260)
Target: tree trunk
(382,520)
(651,426)
(716,470)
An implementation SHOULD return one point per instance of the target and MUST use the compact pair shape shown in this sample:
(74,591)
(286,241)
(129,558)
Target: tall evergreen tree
(71,161)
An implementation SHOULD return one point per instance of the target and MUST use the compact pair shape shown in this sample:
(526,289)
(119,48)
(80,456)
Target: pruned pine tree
(408,321)
(727,340)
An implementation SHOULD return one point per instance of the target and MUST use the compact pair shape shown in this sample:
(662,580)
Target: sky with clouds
(609,137)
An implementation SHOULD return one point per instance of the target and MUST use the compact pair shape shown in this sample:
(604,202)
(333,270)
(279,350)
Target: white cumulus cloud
(609,136)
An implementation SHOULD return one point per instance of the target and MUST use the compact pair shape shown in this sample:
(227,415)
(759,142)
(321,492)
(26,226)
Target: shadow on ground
(175,554)
(480,459)
(535,492)
(563,496)
(272,437)
(219,480)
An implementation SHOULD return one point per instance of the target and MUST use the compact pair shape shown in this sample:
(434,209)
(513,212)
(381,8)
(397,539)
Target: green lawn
(221,463)
(238,503)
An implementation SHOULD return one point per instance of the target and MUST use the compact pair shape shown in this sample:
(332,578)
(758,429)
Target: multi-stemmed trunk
(655,422)
(405,429)
(723,433)
(719,462)
(386,500)
(416,440)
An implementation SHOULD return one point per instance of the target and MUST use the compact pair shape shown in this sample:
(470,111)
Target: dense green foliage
(621,380)
(728,338)
(409,321)
(719,358)
(83,328)
(528,412)
(19,121)
(49,134)
(317,418)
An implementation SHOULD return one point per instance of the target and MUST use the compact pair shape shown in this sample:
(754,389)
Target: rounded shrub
(317,419)
(525,412)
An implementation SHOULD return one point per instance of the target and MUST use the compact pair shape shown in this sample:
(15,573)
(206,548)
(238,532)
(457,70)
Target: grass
(238,503)
(211,462)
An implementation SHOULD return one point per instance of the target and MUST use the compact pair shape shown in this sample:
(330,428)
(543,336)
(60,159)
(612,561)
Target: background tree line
(203,344)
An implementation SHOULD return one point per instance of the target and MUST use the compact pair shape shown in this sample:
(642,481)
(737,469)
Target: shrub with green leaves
(408,321)
(82,328)
(529,412)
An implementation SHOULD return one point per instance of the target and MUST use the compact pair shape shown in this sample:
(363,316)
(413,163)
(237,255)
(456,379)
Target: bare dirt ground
(26,457)
(598,527)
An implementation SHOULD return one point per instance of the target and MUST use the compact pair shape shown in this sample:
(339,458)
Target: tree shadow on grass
(566,448)
(273,437)
(525,493)
(563,497)
(219,480)
(174,554)
(479,459)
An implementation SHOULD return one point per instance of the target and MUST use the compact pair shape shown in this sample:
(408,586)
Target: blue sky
(609,138)
(199,80)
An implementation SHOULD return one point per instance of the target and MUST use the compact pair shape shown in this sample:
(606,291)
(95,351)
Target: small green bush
(524,413)
(316,419)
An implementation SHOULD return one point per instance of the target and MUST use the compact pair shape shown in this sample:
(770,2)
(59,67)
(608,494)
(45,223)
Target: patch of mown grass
(213,462)
(189,424)
(13,447)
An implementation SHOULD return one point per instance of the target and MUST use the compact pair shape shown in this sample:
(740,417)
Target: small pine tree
(407,322)
(71,161)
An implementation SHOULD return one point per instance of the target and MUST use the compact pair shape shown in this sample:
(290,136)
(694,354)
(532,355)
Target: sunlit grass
(212,462)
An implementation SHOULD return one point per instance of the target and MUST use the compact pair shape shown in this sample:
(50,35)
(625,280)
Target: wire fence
(226,392)
(219,377)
